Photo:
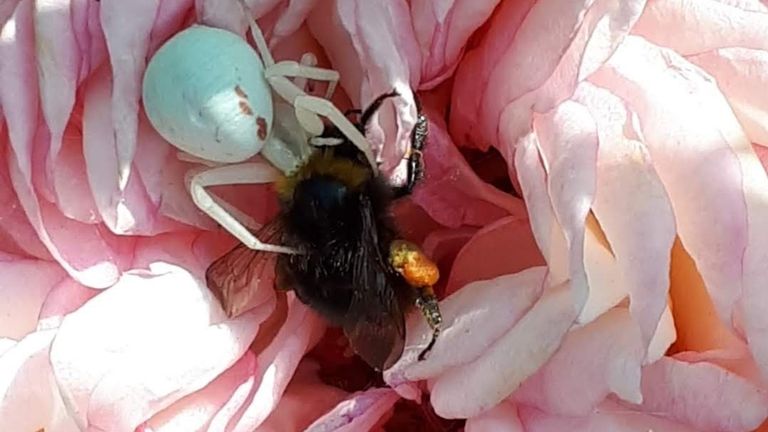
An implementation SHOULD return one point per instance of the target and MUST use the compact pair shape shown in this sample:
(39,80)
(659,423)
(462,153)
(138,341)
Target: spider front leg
(294,69)
(288,68)
(308,110)
(243,173)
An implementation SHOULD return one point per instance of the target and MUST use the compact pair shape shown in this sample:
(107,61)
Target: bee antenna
(368,113)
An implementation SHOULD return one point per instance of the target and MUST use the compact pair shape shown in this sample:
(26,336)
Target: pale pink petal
(16,233)
(501,417)
(162,175)
(414,222)
(568,147)
(291,19)
(506,246)
(474,317)
(195,411)
(64,298)
(119,358)
(697,26)
(358,413)
(607,355)
(276,364)
(90,258)
(90,38)
(453,194)
(703,395)
(606,289)
(6,10)
(443,245)
(519,70)
(472,388)
(380,35)
(546,229)
(305,400)
(630,194)
(610,416)
(228,15)
(739,71)
(442,29)
(58,66)
(133,210)
(6,344)
(693,155)
(665,336)
(29,399)
(24,285)
(127,27)
(735,359)
(70,180)
(171,15)
(18,89)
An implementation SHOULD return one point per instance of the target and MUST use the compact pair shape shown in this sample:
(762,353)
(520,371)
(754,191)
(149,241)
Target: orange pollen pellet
(417,269)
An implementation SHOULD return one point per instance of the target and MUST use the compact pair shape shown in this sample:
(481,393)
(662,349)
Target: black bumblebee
(351,265)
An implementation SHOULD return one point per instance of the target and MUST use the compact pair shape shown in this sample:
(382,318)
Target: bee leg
(415,165)
(430,309)
(422,274)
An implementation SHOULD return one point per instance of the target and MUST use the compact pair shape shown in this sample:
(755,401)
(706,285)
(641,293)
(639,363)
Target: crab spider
(209,94)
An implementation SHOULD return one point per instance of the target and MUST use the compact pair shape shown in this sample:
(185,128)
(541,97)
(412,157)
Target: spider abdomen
(207,85)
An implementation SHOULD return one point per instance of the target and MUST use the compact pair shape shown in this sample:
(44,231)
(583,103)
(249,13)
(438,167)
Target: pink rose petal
(305,400)
(519,70)
(644,76)
(134,209)
(379,34)
(276,364)
(442,29)
(546,229)
(568,148)
(694,27)
(360,412)
(630,194)
(16,233)
(474,387)
(739,71)
(506,246)
(29,399)
(64,298)
(127,28)
(90,259)
(703,395)
(58,64)
(453,194)
(24,285)
(610,416)
(116,371)
(607,353)
(475,317)
(501,417)
(195,411)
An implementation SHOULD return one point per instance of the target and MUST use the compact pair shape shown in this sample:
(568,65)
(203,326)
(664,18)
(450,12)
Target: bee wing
(375,323)
(233,278)
(376,333)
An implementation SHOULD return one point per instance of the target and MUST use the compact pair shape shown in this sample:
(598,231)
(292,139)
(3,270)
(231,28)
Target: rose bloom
(594,197)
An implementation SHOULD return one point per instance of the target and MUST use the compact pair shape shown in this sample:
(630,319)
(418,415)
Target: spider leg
(243,173)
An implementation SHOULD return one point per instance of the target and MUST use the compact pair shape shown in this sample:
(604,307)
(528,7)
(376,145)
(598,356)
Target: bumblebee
(351,266)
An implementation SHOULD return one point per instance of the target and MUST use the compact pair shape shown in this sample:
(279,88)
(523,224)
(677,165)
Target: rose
(117,361)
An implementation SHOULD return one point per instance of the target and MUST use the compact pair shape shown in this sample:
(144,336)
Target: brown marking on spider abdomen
(240,92)
(262,131)
(245,108)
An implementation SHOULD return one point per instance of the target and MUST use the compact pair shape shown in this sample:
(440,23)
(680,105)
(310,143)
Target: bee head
(323,194)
